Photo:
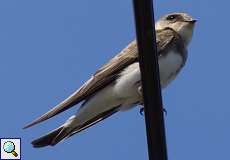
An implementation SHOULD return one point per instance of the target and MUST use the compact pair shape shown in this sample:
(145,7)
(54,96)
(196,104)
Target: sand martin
(116,86)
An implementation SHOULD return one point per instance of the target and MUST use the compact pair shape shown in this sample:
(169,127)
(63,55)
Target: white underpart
(126,87)
(169,67)
(104,100)
(124,91)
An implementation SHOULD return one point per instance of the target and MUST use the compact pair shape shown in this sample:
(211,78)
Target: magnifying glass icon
(9,147)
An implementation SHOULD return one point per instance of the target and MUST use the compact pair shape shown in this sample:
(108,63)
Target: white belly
(125,89)
(169,66)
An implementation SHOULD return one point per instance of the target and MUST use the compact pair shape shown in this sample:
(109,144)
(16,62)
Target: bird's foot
(165,111)
(142,111)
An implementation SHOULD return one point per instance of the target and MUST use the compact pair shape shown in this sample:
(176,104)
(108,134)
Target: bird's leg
(141,111)
(165,111)
(142,108)
(139,90)
(141,95)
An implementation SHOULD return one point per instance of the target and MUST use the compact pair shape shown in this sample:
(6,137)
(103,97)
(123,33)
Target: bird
(116,86)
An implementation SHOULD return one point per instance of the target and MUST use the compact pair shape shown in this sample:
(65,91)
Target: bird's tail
(55,136)
(71,127)
(47,139)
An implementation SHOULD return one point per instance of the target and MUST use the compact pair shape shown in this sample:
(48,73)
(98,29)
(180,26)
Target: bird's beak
(193,21)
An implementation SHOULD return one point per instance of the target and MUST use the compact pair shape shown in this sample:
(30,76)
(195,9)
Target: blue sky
(49,48)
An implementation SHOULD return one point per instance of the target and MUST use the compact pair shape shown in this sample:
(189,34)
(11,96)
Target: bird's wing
(109,73)
(165,39)
(105,75)
(168,39)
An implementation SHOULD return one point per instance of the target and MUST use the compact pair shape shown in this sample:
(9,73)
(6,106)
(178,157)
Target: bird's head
(182,23)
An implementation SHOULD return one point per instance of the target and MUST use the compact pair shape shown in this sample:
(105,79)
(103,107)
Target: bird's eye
(171,17)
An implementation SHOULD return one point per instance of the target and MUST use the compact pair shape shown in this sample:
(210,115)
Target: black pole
(154,116)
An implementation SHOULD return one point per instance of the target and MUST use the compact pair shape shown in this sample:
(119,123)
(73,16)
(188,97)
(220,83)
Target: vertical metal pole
(148,58)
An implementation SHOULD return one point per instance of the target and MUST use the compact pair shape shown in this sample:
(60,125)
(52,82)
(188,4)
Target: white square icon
(10,148)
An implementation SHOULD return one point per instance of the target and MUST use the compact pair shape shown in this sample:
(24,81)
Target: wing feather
(101,78)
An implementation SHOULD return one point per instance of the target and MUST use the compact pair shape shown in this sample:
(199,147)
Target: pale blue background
(48,48)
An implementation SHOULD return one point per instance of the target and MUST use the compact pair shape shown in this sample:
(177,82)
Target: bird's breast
(126,86)
(169,65)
